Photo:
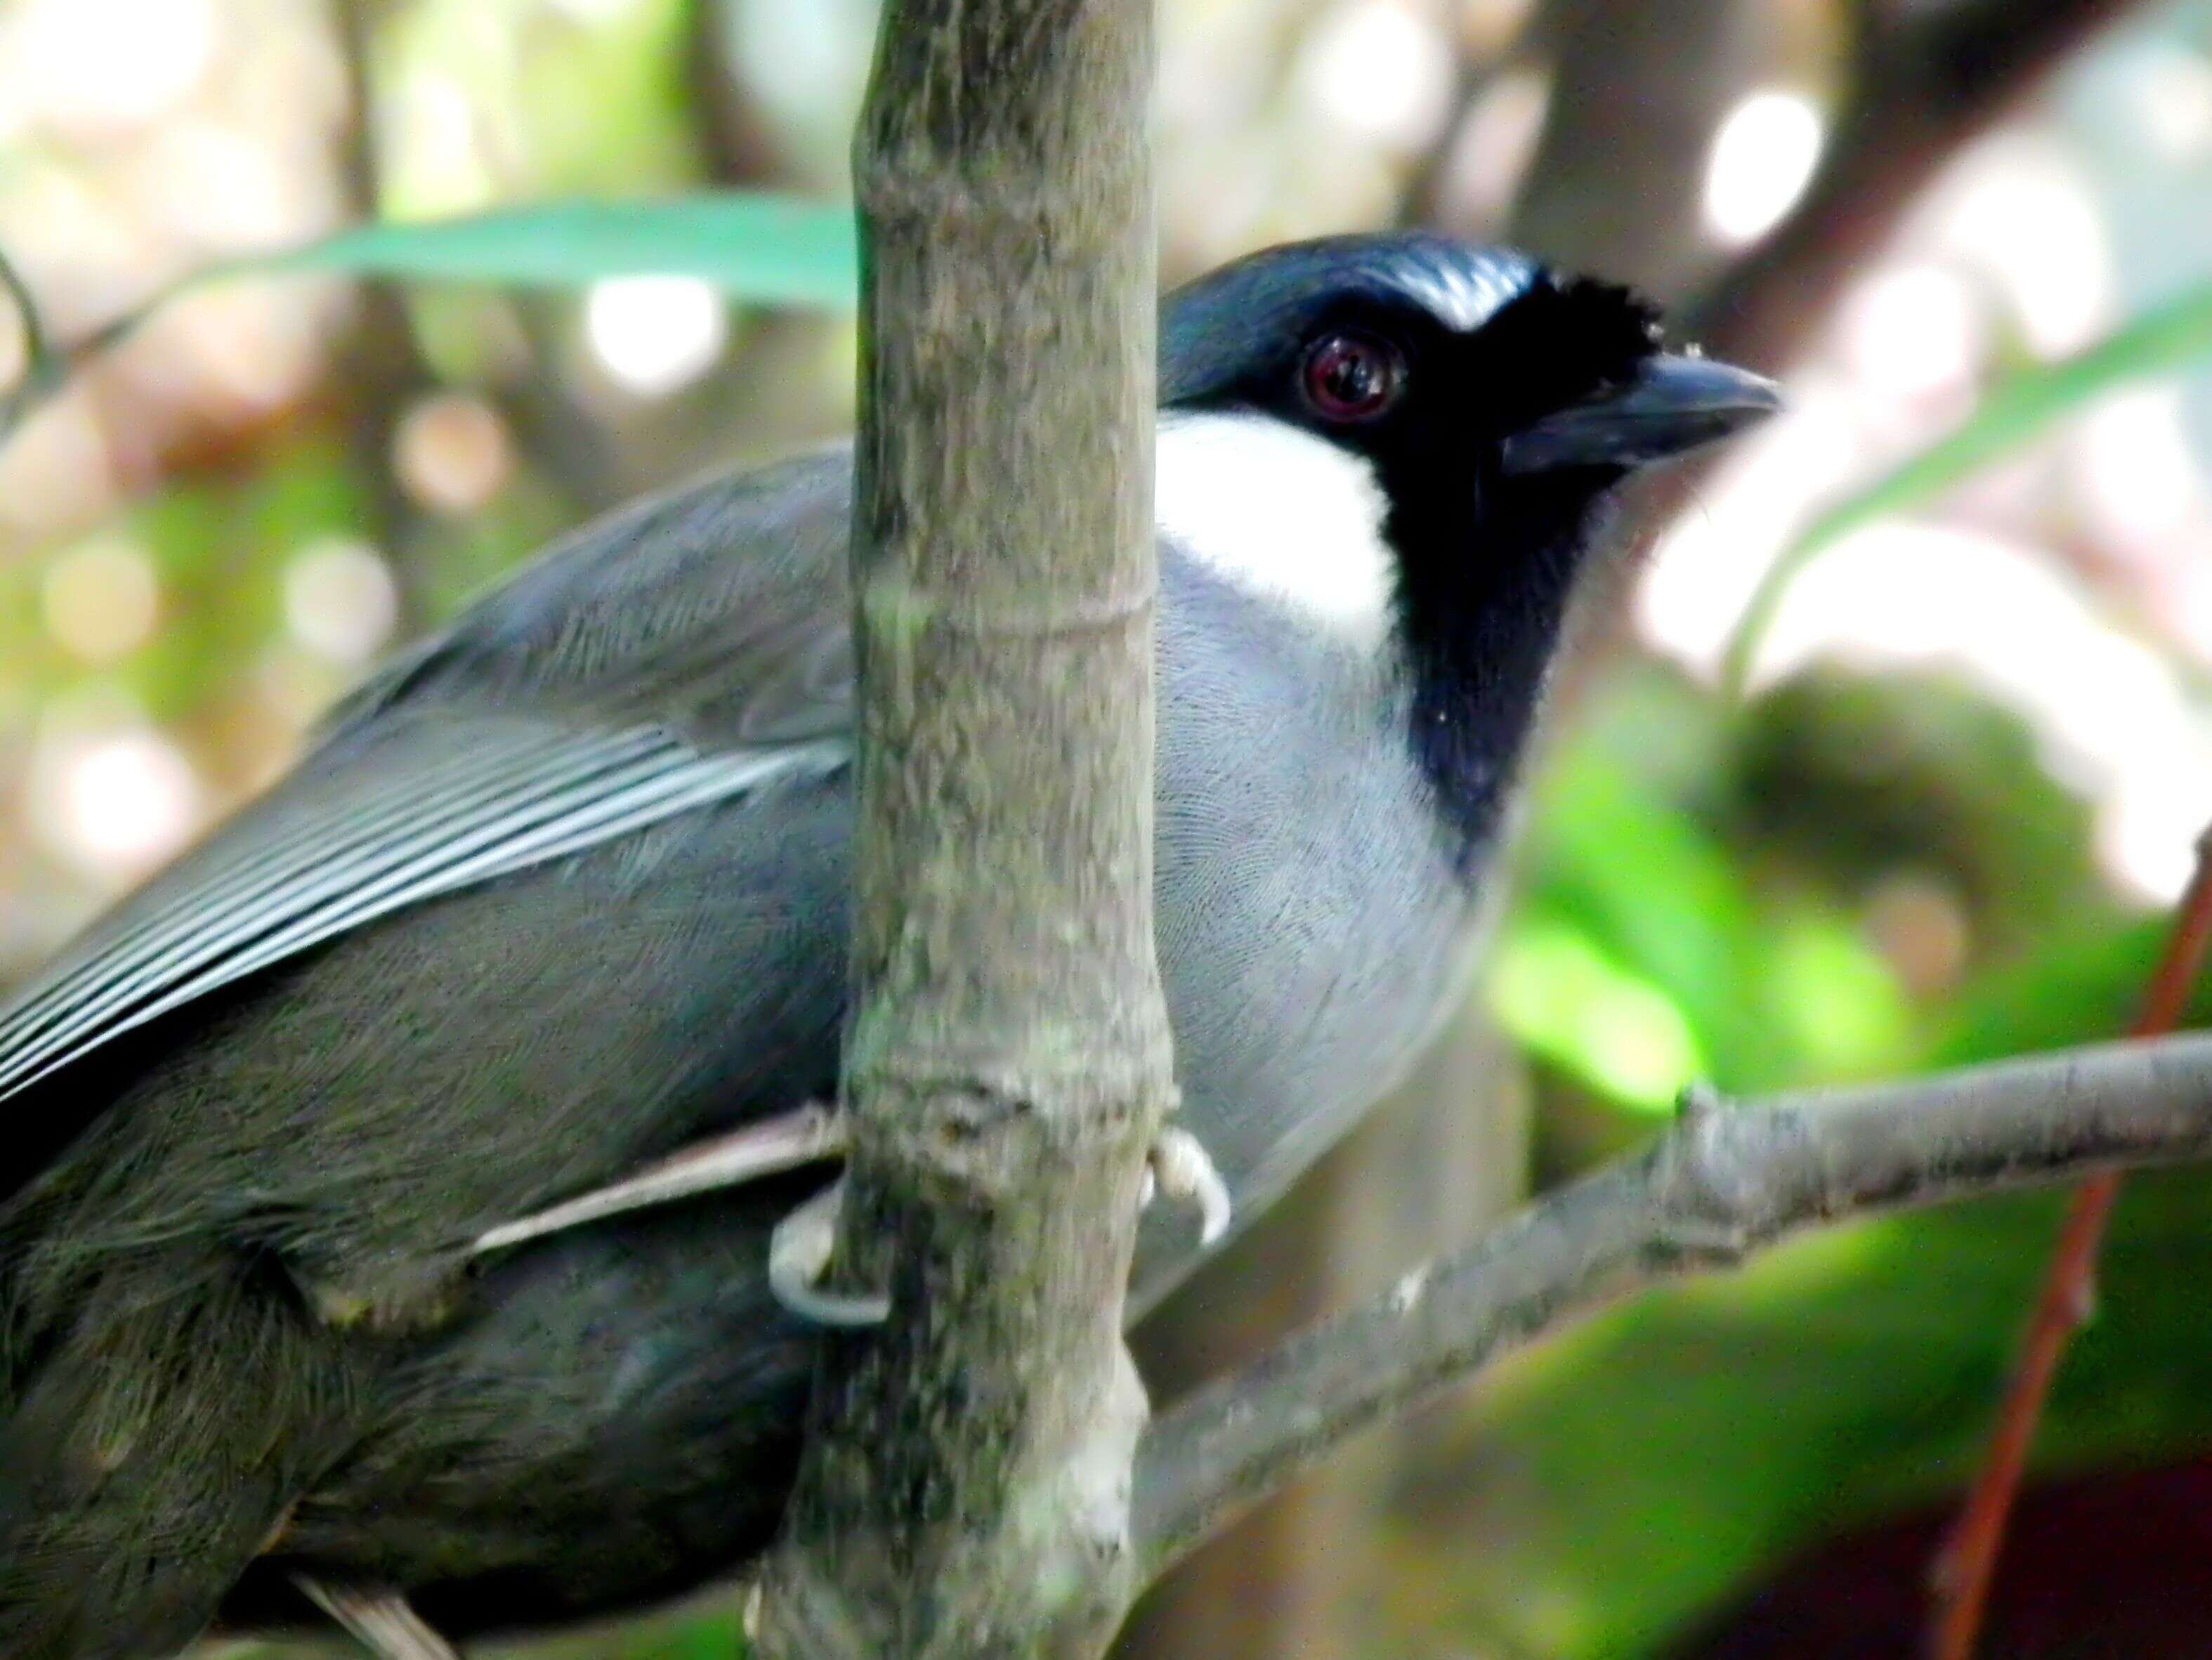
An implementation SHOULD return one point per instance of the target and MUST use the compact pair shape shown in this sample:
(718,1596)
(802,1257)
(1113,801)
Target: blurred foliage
(749,246)
(1697,879)
(770,249)
(571,100)
(1718,865)
(2015,412)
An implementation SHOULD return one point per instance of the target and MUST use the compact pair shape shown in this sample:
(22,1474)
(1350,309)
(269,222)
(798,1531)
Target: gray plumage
(565,890)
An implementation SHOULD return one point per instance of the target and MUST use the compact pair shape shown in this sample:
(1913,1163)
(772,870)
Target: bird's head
(1408,441)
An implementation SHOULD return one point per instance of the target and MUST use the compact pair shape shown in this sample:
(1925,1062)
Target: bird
(562,892)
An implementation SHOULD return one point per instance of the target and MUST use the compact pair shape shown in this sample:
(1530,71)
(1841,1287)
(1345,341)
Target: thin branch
(382,372)
(1725,1182)
(1967,1563)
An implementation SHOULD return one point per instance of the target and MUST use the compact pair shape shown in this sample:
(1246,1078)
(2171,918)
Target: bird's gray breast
(1311,919)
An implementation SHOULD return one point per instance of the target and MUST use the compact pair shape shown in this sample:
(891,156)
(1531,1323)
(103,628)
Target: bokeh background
(1927,813)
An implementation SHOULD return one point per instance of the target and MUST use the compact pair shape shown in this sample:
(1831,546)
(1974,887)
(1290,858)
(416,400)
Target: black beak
(1671,404)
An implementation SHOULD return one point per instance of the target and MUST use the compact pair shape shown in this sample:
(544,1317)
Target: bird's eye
(1353,377)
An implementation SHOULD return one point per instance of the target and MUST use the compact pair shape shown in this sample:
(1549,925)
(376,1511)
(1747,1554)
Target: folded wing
(687,651)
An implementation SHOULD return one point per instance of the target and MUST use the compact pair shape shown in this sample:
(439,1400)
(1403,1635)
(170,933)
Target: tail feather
(153,1452)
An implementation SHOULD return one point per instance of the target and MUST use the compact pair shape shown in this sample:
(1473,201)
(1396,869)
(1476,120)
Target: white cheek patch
(1283,515)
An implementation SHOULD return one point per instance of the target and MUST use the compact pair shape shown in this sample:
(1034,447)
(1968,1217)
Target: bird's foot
(797,1256)
(1179,1168)
(767,1148)
(378,1619)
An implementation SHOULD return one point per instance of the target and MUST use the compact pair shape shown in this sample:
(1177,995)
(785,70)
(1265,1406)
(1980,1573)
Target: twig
(45,365)
(1723,1183)
(1966,1565)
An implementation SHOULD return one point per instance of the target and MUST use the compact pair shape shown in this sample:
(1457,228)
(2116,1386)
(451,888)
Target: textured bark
(965,1487)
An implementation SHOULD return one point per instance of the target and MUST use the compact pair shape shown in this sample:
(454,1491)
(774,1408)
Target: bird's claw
(378,1619)
(799,1254)
(766,1147)
(1179,1168)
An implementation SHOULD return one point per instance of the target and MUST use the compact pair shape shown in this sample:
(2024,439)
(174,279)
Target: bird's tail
(158,1439)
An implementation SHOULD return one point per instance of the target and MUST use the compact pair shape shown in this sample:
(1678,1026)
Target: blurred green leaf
(630,66)
(1559,995)
(2085,985)
(1658,898)
(1839,1000)
(765,250)
(754,248)
(713,1637)
(2017,410)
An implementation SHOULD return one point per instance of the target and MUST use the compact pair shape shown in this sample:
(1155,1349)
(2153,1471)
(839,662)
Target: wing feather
(334,858)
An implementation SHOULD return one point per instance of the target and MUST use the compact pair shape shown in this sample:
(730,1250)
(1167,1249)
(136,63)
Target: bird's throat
(1482,621)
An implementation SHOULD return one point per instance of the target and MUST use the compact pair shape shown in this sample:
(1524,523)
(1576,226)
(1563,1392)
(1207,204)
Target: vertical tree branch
(1638,90)
(381,371)
(965,1487)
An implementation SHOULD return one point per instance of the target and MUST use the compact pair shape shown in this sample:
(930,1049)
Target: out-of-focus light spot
(437,146)
(2188,607)
(90,65)
(1709,561)
(654,335)
(112,801)
(2019,209)
(59,469)
(806,66)
(2172,103)
(233,345)
(452,454)
(1920,926)
(340,599)
(219,186)
(594,11)
(1491,153)
(1763,157)
(2135,470)
(84,252)
(100,600)
(1839,1001)
(1376,69)
(1913,331)
(2146,834)
(1487,27)
(1558,993)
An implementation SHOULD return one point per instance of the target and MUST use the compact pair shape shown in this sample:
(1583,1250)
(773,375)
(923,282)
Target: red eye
(1353,377)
